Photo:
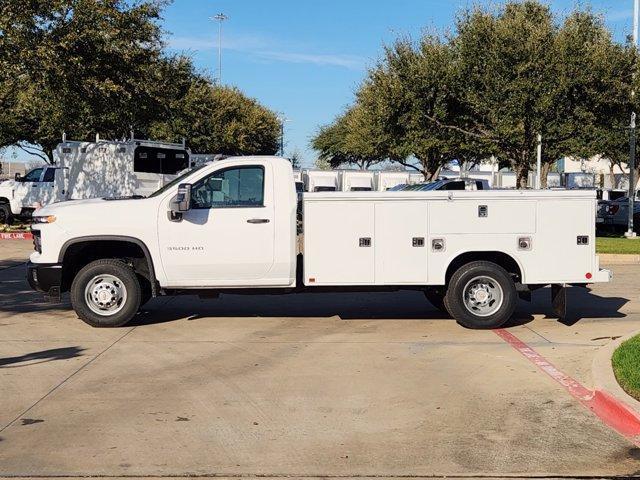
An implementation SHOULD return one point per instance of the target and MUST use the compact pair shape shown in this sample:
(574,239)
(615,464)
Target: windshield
(176,181)
(433,185)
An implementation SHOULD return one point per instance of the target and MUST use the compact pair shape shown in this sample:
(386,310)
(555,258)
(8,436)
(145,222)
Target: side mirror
(18,177)
(181,202)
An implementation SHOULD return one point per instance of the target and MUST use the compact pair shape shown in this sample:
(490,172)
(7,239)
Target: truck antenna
(131,132)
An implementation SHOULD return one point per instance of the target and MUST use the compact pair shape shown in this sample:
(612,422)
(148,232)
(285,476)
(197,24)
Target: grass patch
(626,366)
(617,245)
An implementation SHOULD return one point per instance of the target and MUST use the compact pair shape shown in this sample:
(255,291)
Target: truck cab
(22,195)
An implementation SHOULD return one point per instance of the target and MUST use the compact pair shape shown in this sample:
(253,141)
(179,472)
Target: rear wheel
(481,295)
(106,293)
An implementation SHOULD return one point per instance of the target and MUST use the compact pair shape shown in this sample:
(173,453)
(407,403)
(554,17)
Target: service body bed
(392,238)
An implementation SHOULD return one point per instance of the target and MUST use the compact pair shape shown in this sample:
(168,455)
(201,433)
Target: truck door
(27,189)
(46,190)
(227,238)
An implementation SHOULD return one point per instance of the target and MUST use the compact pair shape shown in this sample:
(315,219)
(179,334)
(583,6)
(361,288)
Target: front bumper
(45,277)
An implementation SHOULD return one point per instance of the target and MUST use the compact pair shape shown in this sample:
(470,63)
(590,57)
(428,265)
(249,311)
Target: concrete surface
(306,385)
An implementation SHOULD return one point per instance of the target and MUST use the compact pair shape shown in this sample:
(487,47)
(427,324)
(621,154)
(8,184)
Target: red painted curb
(613,413)
(16,236)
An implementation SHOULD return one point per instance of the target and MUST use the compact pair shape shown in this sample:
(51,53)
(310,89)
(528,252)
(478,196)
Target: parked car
(444,184)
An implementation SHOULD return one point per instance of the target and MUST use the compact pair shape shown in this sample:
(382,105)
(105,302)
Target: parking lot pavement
(325,384)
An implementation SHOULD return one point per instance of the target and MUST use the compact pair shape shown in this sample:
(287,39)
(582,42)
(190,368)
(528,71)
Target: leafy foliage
(503,77)
(221,120)
(98,66)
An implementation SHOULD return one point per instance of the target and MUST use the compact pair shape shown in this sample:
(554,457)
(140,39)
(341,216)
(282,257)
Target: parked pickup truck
(614,214)
(230,227)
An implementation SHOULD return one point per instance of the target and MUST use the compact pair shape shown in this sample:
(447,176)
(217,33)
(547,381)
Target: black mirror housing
(183,199)
(17,177)
(181,202)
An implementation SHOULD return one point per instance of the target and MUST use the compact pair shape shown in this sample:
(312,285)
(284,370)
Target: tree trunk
(544,173)
(522,176)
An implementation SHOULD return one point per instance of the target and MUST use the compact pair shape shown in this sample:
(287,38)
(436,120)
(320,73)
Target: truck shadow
(402,305)
(582,303)
(17,297)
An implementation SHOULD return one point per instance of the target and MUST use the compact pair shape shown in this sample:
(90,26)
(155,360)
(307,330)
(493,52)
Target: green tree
(221,120)
(350,140)
(296,159)
(80,66)
(98,66)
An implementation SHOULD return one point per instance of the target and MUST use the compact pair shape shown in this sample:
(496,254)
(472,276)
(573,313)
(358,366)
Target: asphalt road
(306,385)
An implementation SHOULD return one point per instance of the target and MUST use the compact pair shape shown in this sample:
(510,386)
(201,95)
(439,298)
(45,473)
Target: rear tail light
(612,209)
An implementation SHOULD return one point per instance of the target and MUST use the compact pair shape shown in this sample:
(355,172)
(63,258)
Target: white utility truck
(230,226)
(92,170)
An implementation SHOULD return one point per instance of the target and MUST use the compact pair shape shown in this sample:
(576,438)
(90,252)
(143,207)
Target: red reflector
(588,275)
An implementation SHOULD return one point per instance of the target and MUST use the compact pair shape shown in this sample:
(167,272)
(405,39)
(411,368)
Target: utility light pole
(632,133)
(282,119)
(220,17)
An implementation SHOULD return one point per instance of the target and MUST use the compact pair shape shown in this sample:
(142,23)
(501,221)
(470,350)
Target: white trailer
(92,170)
(357,181)
(230,227)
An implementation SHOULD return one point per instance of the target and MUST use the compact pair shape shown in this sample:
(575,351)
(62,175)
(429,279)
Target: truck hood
(94,208)
(7,185)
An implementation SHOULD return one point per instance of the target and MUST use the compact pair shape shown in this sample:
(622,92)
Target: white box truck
(230,226)
(93,170)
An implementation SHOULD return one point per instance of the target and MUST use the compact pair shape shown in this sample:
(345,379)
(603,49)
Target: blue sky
(306,58)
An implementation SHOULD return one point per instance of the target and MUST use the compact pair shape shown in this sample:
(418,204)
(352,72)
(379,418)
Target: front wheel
(106,293)
(6,218)
(481,295)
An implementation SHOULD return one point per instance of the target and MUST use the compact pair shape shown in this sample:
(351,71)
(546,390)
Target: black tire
(126,278)
(436,298)
(6,217)
(455,297)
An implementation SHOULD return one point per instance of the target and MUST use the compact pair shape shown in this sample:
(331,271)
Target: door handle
(258,220)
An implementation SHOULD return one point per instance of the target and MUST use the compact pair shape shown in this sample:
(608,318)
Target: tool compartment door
(338,243)
(401,236)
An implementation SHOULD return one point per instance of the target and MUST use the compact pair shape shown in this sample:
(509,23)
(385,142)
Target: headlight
(43,219)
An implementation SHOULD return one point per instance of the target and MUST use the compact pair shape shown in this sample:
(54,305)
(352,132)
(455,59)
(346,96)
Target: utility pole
(220,17)
(539,162)
(632,133)
(282,119)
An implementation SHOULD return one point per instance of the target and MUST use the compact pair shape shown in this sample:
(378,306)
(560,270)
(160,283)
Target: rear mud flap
(559,300)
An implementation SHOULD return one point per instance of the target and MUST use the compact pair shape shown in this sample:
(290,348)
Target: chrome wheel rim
(105,294)
(483,296)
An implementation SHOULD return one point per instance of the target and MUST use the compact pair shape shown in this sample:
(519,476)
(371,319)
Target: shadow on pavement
(582,303)
(42,356)
(17,297)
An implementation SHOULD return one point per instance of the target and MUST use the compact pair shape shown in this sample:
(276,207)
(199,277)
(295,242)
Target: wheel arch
(104,246)
(506,261)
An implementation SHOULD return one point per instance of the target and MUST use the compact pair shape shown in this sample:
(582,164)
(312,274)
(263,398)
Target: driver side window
(33,175)
(234,187)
